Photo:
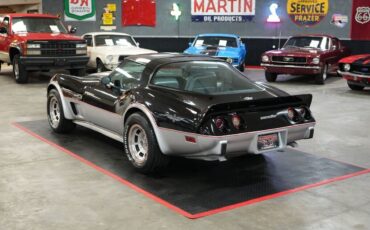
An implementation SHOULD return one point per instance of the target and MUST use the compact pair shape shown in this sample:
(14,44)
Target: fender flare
(68,114)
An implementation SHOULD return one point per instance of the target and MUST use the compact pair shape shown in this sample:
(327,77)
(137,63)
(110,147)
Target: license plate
(268,141)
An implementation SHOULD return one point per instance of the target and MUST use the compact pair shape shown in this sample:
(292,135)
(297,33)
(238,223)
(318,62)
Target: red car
(315,55)
(356,70)
(32,42)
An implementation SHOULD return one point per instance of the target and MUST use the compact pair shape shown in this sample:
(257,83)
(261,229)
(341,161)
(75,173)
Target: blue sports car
(225,46)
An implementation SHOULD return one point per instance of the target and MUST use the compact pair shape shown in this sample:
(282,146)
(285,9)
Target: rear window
(204,77)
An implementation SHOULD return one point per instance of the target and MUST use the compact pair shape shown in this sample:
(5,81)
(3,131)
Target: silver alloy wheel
(16,69)
(138,144)
(54,112)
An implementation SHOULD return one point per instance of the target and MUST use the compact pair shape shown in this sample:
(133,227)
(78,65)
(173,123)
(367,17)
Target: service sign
(79,10)
(222,10)
(307,12)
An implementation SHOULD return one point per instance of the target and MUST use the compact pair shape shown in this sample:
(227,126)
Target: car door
(336,53)
(4,40)
(106,104)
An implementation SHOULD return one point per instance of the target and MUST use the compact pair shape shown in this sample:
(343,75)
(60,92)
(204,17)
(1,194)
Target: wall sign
(307,12)
(339,20)
(360,20)
(222,10)
(273,17)
(176,12)
(138,13)
(79,10)
(108,19)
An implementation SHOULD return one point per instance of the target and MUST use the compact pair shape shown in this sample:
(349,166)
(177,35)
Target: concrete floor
(43,188)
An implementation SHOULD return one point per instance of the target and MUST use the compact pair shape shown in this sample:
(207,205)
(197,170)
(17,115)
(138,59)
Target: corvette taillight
(235,119)
(291,114)
(220,123)
(302,111)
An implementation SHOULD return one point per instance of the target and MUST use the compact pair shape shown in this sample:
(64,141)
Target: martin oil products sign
(307,12)
(79,10)
(222,10)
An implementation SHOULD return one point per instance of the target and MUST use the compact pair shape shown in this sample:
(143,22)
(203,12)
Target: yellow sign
(307,12)
(112,7)
(107,19)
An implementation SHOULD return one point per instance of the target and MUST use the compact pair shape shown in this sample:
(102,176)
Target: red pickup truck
(34,42)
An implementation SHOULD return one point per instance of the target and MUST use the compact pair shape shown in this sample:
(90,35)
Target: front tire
(270,77)
(20,73)
(241,67)
(100,67)
(57,121)
(320,78)
(141,145)
(355,87)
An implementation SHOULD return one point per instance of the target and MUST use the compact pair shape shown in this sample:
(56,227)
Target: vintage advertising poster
(222,10)
(360,29)
(139,13)
(108,19)
(79,10)
(307,12)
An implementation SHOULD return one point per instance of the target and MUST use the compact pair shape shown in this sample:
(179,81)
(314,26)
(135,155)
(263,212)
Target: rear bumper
(356,79)
(174,142)
(291,69)
(46,63)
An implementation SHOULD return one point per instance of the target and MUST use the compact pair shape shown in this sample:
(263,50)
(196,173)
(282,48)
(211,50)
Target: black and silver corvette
(162,105)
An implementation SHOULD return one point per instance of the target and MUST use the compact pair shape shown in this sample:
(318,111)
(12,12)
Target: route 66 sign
(79,10)
(362,15)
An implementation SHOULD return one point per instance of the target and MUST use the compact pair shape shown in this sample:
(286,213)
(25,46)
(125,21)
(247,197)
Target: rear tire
(141,145)
(320,78)
(78,72)
(355,87)
(100,67)
(270,77)
(19,72)
(57,121)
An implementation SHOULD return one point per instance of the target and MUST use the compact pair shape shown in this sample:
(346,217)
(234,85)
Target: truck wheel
(141,145)
(241,67)
(270,77)
(100,67)
(320,78)
(57,121)
(20,73)
(355,87)
(78,72)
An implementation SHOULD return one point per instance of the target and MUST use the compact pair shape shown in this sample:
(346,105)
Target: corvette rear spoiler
(263,104)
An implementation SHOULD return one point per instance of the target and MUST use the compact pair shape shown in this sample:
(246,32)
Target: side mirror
(105,81)
(73,30)
(137,44)
(3,30)
(334,47)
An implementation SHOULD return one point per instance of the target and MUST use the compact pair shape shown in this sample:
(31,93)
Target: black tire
(355,87)
(154,160)
(19,72)
(78,72)
(241,67)
(270,77)
(100,67)
(320,78)
(61,125)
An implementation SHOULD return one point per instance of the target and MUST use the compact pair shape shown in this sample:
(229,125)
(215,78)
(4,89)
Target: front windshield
(205,77)
(37,25)
(308,42)
(127,75)
(114,40)
(216,41)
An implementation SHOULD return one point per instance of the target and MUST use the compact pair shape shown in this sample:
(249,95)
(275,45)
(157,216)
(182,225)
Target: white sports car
(108,49)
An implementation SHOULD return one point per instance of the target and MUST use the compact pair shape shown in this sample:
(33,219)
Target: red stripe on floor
(171,206)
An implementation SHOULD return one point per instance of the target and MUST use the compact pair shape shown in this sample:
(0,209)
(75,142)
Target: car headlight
(347,67)
(81,45)
(316,61)
(265,58)
(33,46)
(33,52)
(82,51)
(110,58)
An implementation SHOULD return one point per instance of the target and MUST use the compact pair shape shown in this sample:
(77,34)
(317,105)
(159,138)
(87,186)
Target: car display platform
(197,188)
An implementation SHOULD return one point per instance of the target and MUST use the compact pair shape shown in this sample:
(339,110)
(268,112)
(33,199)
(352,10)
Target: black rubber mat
(198,188)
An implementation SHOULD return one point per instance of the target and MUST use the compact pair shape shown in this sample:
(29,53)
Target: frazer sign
(222,10)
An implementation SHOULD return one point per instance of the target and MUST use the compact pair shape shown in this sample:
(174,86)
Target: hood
(214,51)
(296,52)
(364,58)
(47,36)
(122,50)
